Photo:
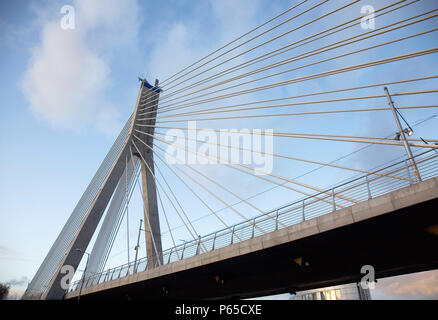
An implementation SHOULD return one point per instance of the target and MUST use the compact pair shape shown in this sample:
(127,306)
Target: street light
(138,245)
(401,133)
(85,271)
(409,131)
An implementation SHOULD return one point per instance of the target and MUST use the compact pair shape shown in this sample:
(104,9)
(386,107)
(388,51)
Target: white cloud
(173,52)
(65,78)
(18,282)
(69,69)
(420,285)
(111,23)
(179,47)
(236,17)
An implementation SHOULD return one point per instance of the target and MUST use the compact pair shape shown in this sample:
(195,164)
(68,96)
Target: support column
(151,217)
(148,102)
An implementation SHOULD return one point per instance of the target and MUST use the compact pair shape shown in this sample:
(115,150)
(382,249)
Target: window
(332,295)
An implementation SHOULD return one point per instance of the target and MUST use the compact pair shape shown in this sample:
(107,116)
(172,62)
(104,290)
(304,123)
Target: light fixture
(409,131)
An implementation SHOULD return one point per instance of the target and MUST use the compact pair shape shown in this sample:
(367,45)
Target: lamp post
(85,271)
(138,245)
(401,134)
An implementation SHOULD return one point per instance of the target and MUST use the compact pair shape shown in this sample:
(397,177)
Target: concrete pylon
(149,102)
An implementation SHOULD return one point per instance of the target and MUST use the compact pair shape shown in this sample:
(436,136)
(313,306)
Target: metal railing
(389,178)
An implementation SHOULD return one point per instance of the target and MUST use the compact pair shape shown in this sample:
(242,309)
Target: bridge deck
(404,203)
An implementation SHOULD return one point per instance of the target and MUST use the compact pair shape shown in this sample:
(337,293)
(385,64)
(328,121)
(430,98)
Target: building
(351,291)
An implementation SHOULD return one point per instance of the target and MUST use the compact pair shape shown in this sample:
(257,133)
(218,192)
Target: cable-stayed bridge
(293,72)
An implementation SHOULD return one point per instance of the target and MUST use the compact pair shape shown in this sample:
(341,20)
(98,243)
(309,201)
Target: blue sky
(67,93)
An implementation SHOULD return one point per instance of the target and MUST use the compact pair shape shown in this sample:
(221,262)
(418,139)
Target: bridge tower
(106,189)
(149,103)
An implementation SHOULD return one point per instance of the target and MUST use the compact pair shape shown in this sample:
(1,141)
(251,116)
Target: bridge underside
(394,243)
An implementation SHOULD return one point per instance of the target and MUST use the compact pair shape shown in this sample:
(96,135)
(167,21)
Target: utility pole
(85,271)
(403,136)
(138,245)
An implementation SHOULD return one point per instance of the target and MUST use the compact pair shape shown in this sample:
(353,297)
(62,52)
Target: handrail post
(368,187)
(276,221)
(232,235)
(170,254)
(199,244)
(253,227)
(304,216)
(409,172)
(333,199)
(99,277)
(182,254)
(214,241)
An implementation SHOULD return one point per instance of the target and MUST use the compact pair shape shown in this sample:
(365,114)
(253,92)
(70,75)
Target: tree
(4,291)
